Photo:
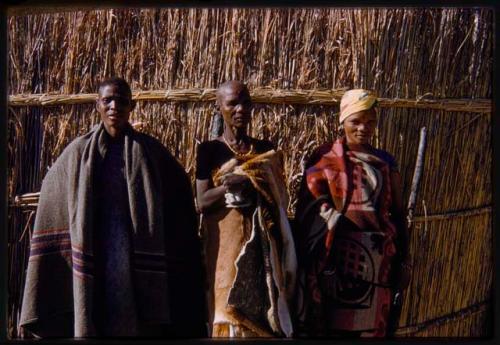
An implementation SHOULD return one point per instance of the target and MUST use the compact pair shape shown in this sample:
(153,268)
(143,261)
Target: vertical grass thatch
(400,53)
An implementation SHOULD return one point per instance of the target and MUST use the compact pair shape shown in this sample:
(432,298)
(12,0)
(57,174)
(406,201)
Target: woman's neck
(235,137)
(367,148)
(237,141)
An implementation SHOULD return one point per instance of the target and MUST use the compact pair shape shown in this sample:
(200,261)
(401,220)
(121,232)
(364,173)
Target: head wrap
(356,100)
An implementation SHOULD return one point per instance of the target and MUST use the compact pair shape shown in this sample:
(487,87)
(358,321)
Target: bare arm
(208,196)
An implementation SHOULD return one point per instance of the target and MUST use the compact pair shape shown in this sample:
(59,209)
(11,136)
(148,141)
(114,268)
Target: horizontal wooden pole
(31,200)
(37,9)
(259,95)
(454,214)
(461,314)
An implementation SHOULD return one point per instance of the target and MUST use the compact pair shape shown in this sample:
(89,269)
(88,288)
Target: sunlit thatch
(424,56)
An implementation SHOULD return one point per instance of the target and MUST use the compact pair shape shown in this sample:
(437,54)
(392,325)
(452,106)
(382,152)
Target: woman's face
(235,106)
(360,127)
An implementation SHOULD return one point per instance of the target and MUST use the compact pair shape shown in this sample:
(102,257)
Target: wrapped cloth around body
(346,252)
(250,251)
(60,284)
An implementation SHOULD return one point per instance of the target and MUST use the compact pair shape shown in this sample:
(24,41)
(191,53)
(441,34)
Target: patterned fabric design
(83,264)
(50,241)
(58,241)
(348,289)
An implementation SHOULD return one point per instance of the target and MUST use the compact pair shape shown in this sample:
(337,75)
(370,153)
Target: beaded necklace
(236,152)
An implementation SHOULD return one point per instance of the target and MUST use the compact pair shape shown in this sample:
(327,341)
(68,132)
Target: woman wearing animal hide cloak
(248,245)
(350,231)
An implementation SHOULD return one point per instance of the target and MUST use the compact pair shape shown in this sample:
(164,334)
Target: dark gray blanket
(59,291)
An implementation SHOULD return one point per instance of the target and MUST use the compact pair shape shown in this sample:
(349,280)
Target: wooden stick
(259,95)
(26,200)
(397,302)
(454,214)
(454,316)
(417,173)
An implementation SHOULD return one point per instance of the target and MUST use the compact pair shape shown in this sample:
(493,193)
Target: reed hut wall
(400,53)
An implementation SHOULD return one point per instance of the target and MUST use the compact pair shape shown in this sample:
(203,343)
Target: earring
(340,130)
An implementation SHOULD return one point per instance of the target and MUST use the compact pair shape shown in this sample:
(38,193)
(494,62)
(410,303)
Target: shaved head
(231,86)
(234,104)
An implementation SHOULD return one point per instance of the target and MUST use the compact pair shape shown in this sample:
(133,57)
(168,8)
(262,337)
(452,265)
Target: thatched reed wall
(412,54)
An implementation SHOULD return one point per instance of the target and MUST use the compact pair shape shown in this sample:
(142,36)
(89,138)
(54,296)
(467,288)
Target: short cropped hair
(120,83)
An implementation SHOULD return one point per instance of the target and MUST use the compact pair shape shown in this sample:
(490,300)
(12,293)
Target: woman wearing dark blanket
(350,230)
(115,252)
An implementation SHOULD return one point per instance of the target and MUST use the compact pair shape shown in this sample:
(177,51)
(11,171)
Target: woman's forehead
(111,90)
(229,93)
(368,114)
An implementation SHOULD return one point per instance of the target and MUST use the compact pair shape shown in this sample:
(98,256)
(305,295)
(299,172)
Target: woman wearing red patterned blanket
(350,233)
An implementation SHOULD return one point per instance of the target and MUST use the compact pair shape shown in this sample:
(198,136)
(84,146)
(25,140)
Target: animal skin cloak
(166,258)
(250,253)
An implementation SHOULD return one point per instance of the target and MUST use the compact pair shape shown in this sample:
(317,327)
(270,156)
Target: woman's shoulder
(262,145)
(323,148)
(387,157)
(209,145)
(317,153)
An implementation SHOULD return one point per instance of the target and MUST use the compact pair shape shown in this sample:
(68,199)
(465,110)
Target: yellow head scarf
(356,100)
